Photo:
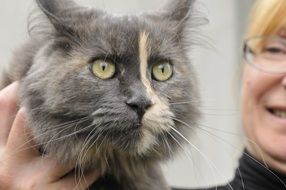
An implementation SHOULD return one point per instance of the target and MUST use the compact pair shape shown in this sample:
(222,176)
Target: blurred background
(217,142)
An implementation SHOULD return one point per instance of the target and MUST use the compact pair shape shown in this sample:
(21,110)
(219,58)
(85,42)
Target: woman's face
(264,115)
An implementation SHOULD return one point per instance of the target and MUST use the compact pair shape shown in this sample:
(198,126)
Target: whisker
(84,151)
(204,156)
(188,154)
(216,137)
(183,103)
(214,129)
(166,144)
(66,136)
(255,160)
(264,165)
(60,126)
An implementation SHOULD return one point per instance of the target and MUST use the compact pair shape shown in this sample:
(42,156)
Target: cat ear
(58,13)
(54,8)
(177,13)
(178,10)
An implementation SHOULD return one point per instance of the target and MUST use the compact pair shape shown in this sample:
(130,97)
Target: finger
(53,169)
(8,110)
(20,144)
(73,182)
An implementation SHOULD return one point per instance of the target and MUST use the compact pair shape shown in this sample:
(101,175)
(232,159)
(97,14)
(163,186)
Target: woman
(263,101)
(263,109)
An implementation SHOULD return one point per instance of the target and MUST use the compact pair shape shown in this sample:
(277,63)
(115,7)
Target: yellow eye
(162,71)
(103,69)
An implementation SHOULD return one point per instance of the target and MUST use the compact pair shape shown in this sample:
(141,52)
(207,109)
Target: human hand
(22,167)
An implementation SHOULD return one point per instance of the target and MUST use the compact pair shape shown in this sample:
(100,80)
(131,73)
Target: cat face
(101,83)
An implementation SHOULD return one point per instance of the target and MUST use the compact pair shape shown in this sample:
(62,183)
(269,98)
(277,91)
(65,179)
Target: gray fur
(63,97)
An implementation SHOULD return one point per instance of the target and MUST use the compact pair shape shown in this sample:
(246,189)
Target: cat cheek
(158,119)
(146,142)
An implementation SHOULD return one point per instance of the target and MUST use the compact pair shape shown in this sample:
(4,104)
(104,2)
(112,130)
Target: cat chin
(102,155)
(105,158)
(146,143)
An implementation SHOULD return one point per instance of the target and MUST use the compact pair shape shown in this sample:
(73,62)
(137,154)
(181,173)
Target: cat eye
(103,69)
(162,71)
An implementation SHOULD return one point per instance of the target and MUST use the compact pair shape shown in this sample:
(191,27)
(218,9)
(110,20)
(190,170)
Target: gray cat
(109,92)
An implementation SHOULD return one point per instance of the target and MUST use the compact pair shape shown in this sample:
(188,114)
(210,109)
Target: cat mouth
(135,128)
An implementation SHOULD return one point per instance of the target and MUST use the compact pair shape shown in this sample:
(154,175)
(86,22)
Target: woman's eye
(274,48)
(162,71)
(103,69)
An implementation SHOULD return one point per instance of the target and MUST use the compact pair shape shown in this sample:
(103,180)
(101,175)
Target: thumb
(20,144)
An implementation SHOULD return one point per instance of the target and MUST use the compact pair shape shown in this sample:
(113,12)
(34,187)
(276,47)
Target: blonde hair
(267,17)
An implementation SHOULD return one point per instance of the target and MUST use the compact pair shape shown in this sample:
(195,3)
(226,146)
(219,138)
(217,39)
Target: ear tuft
(178,10)
(53,8)
(59,13)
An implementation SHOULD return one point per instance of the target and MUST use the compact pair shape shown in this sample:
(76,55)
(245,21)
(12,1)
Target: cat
(110,93)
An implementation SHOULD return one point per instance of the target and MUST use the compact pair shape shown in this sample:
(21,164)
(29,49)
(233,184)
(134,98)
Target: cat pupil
(103,67)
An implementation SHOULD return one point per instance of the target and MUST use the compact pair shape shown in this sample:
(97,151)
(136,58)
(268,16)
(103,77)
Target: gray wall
(217,143)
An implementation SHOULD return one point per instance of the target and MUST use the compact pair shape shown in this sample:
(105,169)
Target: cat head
(101,83)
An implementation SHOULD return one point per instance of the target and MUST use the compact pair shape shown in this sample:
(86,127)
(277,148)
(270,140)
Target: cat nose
(139,103)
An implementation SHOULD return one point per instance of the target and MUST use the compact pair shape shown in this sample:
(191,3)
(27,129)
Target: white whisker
(187,152)
(203,155)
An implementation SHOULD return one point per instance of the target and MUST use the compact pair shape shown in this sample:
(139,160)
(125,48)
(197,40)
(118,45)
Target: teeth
(279,113)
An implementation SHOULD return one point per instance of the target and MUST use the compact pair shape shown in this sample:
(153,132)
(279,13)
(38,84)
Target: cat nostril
(140,106)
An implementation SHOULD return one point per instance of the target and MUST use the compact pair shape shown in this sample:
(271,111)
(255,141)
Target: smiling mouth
(277,112)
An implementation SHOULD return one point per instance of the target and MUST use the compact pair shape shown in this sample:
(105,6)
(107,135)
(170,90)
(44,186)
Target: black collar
(254,175)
